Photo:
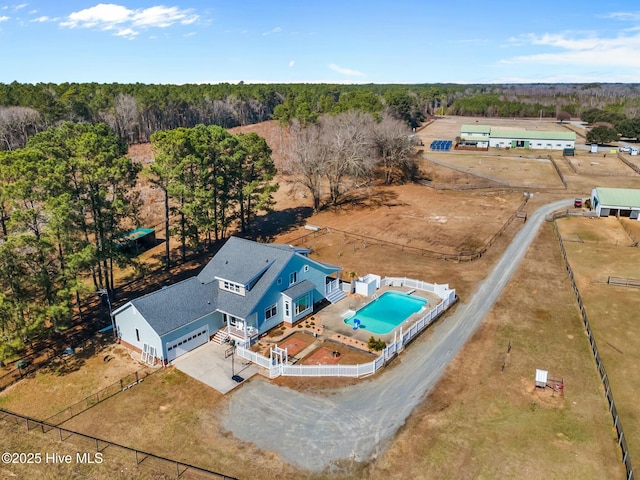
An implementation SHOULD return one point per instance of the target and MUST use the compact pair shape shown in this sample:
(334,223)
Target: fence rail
(624,282)
(276,368)
(497,181)
(459,257)
(101,445)
(557,169)
(622,442)
(629,164)
(95,398)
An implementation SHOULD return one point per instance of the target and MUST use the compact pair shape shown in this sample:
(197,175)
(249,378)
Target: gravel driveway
(356,423)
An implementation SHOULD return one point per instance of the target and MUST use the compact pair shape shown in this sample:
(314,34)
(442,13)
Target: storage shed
(618,202)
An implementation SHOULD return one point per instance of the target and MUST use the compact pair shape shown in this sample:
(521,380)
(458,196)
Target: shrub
(376,344)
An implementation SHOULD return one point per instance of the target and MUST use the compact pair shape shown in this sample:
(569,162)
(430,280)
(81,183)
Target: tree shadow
(266,227)
(370,199)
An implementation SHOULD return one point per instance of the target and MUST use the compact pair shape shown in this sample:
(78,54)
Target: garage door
(184,344)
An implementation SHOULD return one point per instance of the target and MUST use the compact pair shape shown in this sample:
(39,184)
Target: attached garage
(616,202)
(187,342)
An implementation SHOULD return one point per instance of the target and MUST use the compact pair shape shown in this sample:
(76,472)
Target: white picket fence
(276,368)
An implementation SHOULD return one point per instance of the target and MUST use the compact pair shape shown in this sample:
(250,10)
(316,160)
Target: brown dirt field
(418,216)
(526,169)
(600,164)
(607,231)
(632,227)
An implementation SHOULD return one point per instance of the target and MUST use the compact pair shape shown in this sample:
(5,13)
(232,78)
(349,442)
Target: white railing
(332,285)
(448,297)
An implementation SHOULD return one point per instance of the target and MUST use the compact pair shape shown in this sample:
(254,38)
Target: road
(320,431)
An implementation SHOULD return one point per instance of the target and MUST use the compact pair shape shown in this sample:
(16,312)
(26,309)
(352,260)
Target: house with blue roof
(246,289)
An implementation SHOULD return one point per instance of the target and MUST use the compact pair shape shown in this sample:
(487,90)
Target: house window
(271,311)
(287,312)
(302,304)
(231,287)
(306,268)
(137,334)
(279,281)
(293,278)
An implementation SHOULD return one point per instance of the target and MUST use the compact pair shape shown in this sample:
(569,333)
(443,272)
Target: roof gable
(241,261)
(619,197)
(174,306)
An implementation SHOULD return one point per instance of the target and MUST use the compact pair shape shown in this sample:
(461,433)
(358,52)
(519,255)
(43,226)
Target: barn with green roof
(618,202)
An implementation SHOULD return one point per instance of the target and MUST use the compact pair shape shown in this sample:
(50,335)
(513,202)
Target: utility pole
(105,293)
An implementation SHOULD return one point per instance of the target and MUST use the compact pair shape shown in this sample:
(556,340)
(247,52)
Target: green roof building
(518,138)
(619,202)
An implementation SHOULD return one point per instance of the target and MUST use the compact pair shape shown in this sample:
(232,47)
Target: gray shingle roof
(239,261)
(299,289)
(177,305)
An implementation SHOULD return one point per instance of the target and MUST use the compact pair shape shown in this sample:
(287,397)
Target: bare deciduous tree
(17,124)
(394,147)
(350,144)
(306,158)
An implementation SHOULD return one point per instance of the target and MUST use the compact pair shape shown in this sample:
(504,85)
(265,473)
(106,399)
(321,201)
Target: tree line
(68,198)
(136,111)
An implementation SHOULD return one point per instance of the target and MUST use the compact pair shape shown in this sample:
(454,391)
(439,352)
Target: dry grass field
(600,164)
(67,380)
(522,169)
(612,310)
(480,421)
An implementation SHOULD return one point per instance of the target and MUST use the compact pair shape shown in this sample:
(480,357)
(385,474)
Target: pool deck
(332,316)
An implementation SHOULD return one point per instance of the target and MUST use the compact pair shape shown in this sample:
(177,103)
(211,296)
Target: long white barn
(487,136)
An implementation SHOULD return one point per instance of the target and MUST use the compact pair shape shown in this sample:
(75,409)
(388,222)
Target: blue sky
(194,41)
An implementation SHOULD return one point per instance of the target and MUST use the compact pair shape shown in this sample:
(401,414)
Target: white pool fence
(276,367)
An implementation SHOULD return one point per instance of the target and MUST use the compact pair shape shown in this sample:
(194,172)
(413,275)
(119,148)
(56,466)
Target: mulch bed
(296,342)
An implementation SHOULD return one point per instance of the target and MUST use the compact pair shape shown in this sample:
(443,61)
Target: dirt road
(355,424)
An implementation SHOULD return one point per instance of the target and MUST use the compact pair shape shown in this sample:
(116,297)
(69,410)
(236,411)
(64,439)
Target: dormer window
(231,287)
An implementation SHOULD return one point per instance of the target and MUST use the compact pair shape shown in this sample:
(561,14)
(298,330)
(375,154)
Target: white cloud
(273,30)
(43,19)
(630,16)
(292,63)
(4,18)
(345,71)
(620,51)
(21,6)
(127,23)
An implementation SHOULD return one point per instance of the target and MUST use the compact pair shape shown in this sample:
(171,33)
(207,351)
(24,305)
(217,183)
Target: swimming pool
(388,311)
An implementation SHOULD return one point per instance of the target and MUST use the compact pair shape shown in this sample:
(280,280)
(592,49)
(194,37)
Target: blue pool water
(385,313)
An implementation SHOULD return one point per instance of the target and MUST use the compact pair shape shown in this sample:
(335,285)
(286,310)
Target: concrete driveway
(208,365)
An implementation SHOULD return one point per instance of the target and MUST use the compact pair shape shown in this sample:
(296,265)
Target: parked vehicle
(577,203)
(625,149)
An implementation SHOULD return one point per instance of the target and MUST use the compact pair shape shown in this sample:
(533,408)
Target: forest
(135,111)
